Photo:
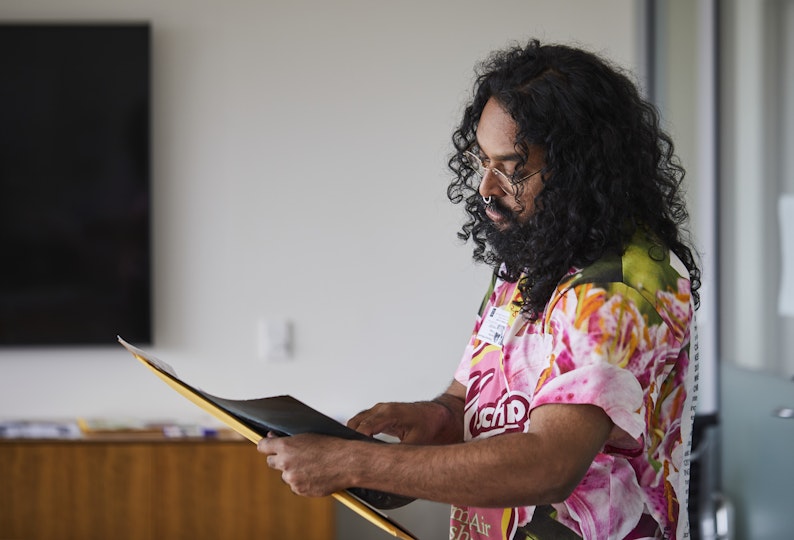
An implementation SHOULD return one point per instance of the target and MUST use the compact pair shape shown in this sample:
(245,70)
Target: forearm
(541,466)
(509,470)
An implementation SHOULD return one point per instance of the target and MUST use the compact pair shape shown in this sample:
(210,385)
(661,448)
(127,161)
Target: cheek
(528,199)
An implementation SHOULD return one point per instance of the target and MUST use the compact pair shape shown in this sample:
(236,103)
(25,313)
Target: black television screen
(74,183)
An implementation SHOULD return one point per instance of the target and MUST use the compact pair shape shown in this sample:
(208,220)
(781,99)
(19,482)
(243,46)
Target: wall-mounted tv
(74,183)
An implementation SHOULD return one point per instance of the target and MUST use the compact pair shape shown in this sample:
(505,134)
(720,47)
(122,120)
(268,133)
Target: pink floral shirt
(615,335)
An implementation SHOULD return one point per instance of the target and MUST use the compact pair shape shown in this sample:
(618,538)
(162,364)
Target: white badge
(494,326)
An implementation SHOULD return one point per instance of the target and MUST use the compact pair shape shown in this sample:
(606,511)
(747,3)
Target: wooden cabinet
(152,490)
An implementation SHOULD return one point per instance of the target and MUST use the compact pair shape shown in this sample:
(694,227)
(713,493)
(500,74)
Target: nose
(489,185)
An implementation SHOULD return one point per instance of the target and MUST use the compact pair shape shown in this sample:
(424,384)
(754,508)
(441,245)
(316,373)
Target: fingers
(276,455)
(361,418)
(270,446)
(420,422)
(362,422)
(308,463)
(382,418)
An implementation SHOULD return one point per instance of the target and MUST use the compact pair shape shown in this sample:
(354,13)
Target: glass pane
(757,88)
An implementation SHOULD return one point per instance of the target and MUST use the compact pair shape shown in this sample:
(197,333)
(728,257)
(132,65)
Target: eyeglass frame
(480,170)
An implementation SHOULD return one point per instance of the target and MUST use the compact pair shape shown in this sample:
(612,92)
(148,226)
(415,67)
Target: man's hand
(312,465)
(424,422)
(412,423)
(317,465)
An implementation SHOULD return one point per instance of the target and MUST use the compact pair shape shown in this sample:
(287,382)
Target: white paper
(785,209)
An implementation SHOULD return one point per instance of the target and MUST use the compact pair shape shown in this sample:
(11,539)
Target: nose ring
(487,200)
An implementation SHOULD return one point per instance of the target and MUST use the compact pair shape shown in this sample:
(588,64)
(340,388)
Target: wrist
(450,421)
(452,404)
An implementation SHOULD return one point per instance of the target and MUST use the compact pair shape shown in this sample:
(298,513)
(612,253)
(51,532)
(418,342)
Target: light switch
(274,340)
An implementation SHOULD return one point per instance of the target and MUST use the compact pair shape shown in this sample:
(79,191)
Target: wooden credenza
(150,489)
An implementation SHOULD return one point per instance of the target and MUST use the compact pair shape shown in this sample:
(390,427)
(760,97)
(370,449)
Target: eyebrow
(515,156)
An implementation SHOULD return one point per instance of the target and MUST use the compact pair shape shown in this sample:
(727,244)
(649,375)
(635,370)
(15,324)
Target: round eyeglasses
(506,183)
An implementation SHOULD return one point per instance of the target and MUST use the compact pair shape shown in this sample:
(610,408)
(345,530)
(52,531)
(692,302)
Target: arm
(516,469)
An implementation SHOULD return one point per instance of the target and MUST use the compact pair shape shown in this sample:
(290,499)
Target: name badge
(494,326)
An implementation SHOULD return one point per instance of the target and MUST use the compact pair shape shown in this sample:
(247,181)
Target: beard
(508,243)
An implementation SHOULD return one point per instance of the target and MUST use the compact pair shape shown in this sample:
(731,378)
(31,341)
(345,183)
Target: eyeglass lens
(476,163)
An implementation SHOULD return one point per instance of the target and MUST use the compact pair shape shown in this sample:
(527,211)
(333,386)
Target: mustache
(496,206)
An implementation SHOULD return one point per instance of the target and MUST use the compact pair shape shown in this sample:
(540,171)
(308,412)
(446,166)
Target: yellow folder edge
(345,498)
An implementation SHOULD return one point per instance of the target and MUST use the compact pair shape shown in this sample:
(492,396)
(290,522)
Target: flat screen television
(75,253)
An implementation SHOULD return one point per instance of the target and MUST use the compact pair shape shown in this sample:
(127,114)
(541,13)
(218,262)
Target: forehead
(496,131)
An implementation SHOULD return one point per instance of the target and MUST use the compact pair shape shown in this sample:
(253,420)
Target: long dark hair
(610,168)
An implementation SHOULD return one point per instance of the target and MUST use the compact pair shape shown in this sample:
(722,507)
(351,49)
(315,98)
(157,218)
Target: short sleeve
(606,351)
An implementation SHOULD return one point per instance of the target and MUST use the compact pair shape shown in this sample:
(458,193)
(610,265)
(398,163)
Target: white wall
(299,173)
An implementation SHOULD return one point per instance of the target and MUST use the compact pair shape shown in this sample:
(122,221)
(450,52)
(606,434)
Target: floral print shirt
(616,335)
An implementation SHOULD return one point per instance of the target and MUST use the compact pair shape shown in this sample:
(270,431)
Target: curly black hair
(610,168)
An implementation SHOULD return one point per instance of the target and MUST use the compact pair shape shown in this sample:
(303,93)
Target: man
(571,410)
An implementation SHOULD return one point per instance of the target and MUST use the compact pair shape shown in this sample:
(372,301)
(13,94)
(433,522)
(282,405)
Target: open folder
(283,415)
